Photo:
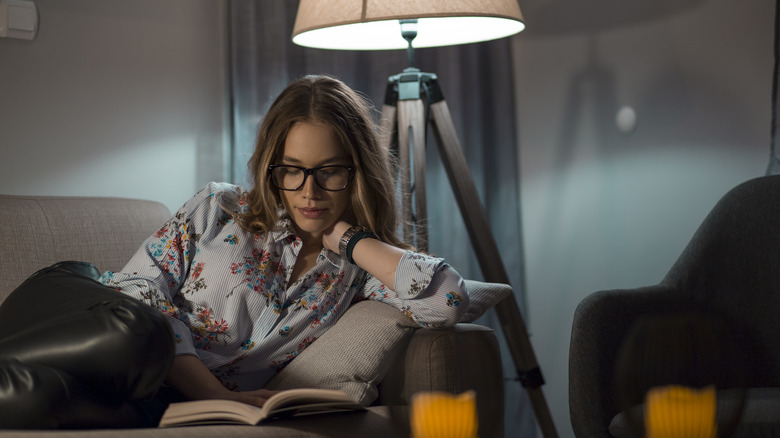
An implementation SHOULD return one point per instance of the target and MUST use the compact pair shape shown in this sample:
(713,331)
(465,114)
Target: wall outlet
(18,19)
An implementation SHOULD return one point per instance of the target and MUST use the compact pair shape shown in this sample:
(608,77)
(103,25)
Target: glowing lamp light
(374,24)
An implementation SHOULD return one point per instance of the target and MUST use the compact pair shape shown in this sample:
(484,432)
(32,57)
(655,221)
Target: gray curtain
(476,80)
(774,155)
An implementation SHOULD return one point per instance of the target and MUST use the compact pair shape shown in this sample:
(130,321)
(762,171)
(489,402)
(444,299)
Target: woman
(248,280)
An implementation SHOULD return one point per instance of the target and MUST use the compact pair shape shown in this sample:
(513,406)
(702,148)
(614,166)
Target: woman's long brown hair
(327,100)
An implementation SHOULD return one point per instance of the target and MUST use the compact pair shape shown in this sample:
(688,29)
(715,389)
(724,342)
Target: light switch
(18,19)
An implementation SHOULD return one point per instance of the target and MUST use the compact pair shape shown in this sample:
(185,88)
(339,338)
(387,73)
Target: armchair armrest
(601,321)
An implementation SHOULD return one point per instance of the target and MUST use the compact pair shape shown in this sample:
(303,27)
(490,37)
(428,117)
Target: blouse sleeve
(428,290)
(157,271)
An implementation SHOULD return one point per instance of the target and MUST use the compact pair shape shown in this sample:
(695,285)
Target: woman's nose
(310,188)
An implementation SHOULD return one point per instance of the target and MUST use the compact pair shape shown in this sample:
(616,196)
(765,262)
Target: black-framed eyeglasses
(291,178)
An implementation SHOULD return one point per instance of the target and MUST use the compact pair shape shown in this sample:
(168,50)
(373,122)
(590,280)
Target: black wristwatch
(350,238)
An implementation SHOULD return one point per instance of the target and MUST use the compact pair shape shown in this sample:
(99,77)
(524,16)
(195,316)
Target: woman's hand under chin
(331,237)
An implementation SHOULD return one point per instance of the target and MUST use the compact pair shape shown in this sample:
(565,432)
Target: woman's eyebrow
(334,160)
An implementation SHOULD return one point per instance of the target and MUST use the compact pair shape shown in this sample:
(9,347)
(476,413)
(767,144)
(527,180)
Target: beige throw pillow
(353,355)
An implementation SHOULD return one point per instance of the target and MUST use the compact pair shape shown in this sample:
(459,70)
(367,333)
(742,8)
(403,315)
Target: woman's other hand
(190,377)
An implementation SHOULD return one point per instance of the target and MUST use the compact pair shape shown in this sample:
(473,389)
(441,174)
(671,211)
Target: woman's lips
(311,213)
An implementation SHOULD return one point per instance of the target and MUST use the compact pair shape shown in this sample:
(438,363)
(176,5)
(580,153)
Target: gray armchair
(730,268)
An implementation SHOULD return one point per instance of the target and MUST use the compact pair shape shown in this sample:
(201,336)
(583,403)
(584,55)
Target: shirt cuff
(414,274)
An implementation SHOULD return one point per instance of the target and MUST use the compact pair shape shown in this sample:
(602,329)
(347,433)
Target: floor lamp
(406,24)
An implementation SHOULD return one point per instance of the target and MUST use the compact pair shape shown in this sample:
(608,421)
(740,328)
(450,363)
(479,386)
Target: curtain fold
(476,80)
(774,152)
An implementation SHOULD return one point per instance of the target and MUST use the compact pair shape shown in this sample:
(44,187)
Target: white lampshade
(374,25)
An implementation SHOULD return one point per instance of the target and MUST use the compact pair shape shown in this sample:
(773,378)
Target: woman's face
(313,209)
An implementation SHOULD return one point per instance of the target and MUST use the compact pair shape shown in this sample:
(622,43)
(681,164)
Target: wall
(607,210)
(115,98)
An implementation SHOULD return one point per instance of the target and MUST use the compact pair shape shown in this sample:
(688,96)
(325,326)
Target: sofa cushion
(353,355)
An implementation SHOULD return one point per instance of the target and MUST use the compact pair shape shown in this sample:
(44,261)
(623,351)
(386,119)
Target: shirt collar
(284,231)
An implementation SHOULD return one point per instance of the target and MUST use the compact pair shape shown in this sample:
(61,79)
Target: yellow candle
(444,415)
(678,411)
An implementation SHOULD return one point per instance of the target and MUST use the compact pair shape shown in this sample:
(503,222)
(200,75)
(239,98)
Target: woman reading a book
(248,279)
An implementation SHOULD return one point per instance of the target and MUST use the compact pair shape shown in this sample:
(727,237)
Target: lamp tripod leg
(411,140)
(403,133)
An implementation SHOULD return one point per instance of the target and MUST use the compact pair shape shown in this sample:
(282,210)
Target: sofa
(378,357)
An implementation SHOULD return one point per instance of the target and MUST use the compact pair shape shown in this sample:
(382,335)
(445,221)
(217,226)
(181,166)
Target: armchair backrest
(731,267)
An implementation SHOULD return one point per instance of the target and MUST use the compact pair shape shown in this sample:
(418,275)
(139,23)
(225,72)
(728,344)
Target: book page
(304,396)
(283,404)
(198,411)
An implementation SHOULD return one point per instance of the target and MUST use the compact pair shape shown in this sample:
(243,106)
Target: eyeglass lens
(327,177)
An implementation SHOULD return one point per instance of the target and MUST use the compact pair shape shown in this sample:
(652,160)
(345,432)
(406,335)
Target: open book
(284,404)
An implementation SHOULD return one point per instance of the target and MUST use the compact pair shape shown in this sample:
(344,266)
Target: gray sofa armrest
(457,359)
(38,231)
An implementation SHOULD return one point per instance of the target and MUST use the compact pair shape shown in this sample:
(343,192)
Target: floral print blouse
(227,294)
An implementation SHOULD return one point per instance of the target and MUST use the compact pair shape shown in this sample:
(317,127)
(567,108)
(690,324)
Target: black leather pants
(77,354)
